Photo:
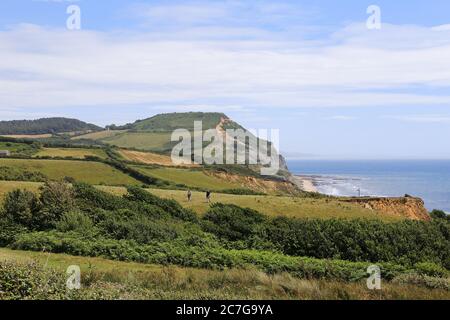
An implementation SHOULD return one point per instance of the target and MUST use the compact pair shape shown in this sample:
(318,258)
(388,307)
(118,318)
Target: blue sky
(312,69)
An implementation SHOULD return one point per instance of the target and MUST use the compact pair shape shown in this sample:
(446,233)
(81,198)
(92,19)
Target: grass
(98,135)
(189,177)
(77,153)
(28,136)
(147,157)
(103,278)
(270,205)
(147,141)
(84,171)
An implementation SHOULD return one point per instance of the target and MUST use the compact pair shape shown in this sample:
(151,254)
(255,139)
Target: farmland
(77,153)
(189,177)
(98,135)
(84,171)
(148,141)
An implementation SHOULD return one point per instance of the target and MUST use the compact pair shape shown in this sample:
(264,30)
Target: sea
(427,179)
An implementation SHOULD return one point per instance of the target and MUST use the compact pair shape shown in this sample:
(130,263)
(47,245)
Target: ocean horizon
(427,179)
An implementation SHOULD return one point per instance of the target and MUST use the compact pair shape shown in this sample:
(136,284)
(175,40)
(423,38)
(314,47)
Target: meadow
(273,206)
(107,279)
(189,177)
(148,141)
(98,135)
(77,153)
(270,205)
(85,171)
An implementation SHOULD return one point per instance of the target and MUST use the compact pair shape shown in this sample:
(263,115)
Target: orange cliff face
(406,207)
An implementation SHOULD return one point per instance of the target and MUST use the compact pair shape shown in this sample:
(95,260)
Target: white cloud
(355,67)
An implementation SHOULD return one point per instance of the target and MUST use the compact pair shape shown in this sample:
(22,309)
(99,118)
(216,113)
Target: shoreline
(305,183)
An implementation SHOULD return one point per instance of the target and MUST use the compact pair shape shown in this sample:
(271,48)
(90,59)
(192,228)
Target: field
(269,205)
(191,178)
(98,135)
(147,141)
(77,153)
(84,171)
(147,158)
(28,136)
(108,279)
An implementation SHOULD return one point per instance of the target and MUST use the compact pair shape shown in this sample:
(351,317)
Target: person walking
(189,195)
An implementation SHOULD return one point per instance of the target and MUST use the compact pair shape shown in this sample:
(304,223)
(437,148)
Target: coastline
(305,183)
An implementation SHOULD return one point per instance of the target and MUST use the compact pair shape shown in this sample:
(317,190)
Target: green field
(98,135)
(107,279)
(148,141)
(78,153)
(84,171)
(189,177)
(269,205)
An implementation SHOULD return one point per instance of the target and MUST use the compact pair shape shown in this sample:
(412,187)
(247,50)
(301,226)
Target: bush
(405,242)
(75,221)
(56,198)
(430,269)
(26,282)
(21,207)
(232,222)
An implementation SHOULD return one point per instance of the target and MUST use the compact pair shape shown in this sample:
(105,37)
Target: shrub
(56,198)
(21,207)
(232,222)
(25,282)
(75,221)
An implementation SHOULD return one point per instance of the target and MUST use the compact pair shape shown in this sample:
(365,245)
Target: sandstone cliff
(407,207)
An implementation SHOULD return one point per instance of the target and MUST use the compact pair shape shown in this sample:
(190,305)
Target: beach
(305,183)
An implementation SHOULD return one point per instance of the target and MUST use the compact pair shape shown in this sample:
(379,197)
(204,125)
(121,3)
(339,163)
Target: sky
(334,87)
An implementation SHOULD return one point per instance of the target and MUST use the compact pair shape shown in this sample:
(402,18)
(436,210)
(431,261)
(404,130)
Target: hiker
(189,195)
(208,196)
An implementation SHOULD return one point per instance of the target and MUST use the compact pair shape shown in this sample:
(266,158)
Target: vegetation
(19,149)
(75,153)
(172,121)
(16,174)
(84,171)
(194,178)
(37,275)
(43,126)
(144,228)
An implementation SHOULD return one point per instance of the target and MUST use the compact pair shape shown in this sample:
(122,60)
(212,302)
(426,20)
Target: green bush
(232,222)
(21,207)
(75,221)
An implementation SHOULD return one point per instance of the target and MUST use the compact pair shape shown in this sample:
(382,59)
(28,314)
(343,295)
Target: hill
(167,122)
(45,126)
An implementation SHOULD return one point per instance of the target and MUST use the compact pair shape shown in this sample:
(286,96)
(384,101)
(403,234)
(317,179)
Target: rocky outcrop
(407,207)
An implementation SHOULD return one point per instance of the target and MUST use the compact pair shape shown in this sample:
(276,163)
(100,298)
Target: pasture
(77,153)
(147,141)
(83,171)
(190,177)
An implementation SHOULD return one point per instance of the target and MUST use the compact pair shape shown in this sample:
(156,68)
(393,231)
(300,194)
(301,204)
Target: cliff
(407,207)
